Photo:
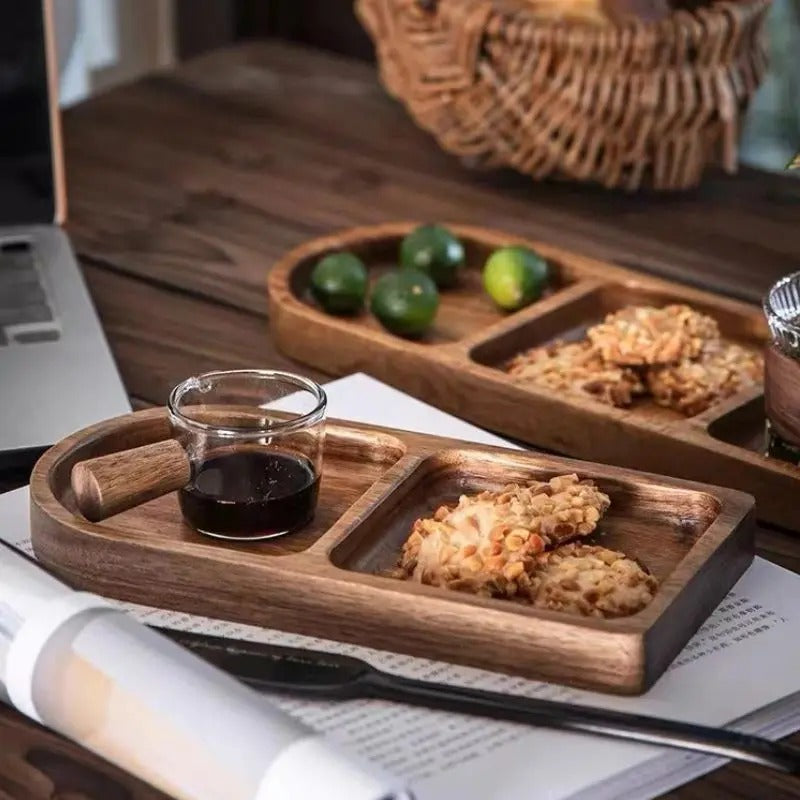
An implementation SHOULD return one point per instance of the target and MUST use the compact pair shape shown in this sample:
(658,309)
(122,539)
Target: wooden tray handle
(107,485)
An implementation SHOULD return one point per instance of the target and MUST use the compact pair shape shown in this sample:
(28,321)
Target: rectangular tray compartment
(671,527)
(570,321)
(656,524)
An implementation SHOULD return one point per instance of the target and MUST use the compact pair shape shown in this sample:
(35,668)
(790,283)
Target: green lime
(405,302)
(515,276)
(339,283)
(434,250)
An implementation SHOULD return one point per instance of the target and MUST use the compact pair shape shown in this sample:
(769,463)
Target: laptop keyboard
(26,313)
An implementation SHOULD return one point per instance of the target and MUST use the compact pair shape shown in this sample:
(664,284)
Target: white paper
(447,755)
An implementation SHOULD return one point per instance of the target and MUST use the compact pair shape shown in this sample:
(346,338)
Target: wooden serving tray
(324,580)
(457,367)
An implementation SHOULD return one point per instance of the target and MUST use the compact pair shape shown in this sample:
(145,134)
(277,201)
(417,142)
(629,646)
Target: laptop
(56,371)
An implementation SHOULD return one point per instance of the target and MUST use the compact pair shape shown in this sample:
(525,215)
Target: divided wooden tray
(324,580)
(457,367)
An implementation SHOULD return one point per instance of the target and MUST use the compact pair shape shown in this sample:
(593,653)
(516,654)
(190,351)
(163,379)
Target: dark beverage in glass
(251,494)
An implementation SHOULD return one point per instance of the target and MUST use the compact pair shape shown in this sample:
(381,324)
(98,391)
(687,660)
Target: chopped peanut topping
(694,386)
(576,367)
(592,581)
(485,542)
(640,335)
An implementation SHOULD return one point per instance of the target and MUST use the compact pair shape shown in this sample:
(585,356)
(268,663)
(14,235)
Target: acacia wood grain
(328,580)
(106,485)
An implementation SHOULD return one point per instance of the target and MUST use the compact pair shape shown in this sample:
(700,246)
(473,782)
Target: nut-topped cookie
(692,387)
(487,542)
(576,367)
(591,581)
(646,335)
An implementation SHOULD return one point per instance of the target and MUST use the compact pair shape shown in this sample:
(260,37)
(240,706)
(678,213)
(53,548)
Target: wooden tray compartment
(656,524)
(570,321)
(462,309)
(327,579)
(353,462)
(462,374)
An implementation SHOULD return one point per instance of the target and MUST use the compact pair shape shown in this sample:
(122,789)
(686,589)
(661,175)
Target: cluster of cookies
(673,354)
(520,543)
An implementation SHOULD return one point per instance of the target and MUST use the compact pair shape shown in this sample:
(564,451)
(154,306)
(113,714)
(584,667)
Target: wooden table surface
(185,187)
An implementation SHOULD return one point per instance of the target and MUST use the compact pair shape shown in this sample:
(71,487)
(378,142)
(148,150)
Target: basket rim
(520,12)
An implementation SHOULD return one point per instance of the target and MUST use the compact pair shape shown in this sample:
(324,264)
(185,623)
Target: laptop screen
(26,170)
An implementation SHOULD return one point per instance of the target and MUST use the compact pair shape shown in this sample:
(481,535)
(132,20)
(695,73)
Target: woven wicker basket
(628,106)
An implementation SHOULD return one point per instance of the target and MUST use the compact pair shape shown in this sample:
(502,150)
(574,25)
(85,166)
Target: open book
(739,670)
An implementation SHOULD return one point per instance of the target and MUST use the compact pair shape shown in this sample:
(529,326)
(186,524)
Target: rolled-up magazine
(87,670)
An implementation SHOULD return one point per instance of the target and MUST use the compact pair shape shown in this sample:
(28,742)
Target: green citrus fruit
(339,283)
(515,276)
(434,250)
(405,302)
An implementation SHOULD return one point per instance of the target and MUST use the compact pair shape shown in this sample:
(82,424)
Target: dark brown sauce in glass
(250,494)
